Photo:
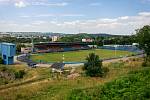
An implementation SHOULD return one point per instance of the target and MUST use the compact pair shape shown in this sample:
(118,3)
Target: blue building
(8,51)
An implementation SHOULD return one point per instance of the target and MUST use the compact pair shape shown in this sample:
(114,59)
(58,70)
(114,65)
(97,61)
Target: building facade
(8,51)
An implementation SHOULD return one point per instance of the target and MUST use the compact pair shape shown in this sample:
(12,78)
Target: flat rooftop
(7,43)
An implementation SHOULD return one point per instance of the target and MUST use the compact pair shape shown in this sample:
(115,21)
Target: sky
(74,16)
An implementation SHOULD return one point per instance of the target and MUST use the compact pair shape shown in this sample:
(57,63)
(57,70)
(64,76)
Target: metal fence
(130,48)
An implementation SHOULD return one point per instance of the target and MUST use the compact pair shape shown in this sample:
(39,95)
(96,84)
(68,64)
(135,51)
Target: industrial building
(7,51)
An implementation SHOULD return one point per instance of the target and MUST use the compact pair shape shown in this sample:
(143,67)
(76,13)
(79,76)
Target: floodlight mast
(63,58)
(103,42)
(32,44)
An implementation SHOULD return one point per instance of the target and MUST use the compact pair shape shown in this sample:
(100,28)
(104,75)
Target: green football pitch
(78,56)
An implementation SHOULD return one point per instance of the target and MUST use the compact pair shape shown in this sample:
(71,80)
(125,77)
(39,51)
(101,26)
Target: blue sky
(73,16)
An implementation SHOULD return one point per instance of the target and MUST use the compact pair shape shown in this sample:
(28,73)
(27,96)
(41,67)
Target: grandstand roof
(60,43)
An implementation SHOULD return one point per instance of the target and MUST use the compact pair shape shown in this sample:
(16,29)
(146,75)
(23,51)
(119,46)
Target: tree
(93,66)
(19,46)
(143,37)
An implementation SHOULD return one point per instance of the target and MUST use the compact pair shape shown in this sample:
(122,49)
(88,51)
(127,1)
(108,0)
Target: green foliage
(93,66)
(134,86)
(23,40)
(143,37)
(74,38)
(1,60)
(19,74)
(98,40)
(19,46)
(15,40)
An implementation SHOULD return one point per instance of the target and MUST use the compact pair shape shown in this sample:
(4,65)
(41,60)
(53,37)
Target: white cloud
(21,4)
(124,17)
(119,25)
(53,15)
(144,13)
(49,4)
(25,3)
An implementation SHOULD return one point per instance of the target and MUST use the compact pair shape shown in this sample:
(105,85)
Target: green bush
(93,66)
(19,74)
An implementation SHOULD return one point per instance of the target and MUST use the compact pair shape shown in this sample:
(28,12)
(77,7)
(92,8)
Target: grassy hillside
(38,83)
(134,86)
(78,56)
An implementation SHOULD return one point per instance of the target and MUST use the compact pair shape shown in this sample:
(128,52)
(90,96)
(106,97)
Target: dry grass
(57,89)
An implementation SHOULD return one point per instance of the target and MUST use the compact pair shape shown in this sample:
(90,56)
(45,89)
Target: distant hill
(101,35)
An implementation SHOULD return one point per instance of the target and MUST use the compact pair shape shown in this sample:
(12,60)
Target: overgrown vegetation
(8,75)
(37,84)
(134,86)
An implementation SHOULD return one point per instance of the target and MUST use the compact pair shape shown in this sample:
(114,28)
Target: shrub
(93,66)
(19,74)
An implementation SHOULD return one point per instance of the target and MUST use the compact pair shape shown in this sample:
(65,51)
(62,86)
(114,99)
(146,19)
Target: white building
(26,50)
(87,40)
(55,38)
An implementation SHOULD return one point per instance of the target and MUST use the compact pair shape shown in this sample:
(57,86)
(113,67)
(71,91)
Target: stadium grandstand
(59,47)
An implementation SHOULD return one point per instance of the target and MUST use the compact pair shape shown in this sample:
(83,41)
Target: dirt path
(107,61)
(124,58)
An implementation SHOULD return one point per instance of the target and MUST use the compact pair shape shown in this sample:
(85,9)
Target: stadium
(53,52)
